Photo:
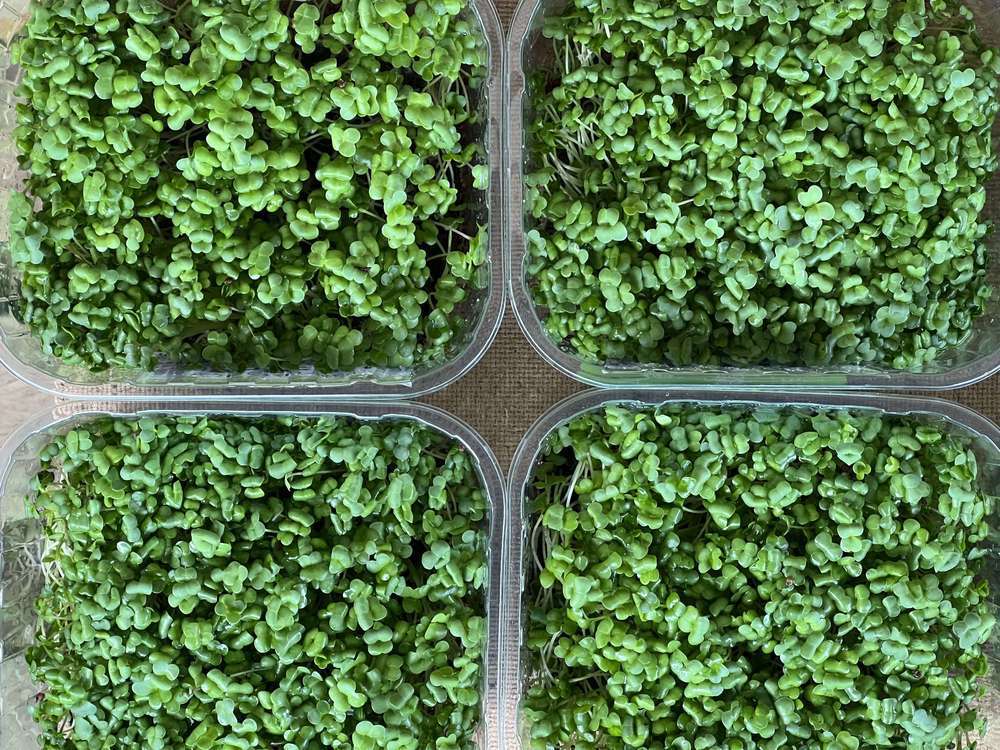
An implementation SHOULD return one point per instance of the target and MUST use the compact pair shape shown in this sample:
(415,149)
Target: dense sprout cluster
(278,583)
(242,184)
(762,578)
(743,182)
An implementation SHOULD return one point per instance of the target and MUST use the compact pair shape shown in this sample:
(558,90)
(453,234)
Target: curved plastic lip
(965,373)
(984,433)
(19,460)
(27,363)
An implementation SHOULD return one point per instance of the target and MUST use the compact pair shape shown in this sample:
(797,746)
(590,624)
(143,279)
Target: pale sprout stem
(546,653)
(454,231)
(577,473)
(534,543)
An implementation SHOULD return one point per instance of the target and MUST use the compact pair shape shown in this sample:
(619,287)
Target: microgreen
(207,181)
(773,182)
(754,578)
(280,582)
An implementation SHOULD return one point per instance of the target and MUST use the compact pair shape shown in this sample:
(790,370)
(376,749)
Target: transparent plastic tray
(22,354)
(21,578)
(978,358)
(984,435)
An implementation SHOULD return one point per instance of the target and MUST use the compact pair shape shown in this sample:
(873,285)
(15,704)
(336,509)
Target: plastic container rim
(364,384)
(648,376)
(435,418)
(530,446)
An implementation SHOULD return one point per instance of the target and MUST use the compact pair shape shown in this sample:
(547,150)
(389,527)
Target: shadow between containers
(19,463)
(21,354)
(978,359)
(983,432)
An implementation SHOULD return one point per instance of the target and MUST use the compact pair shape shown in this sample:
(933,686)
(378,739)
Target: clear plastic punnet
(22,574)
(978,357)
(515,667)
(480,313)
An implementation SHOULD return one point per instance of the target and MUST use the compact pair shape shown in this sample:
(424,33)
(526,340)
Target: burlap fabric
(512,387)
